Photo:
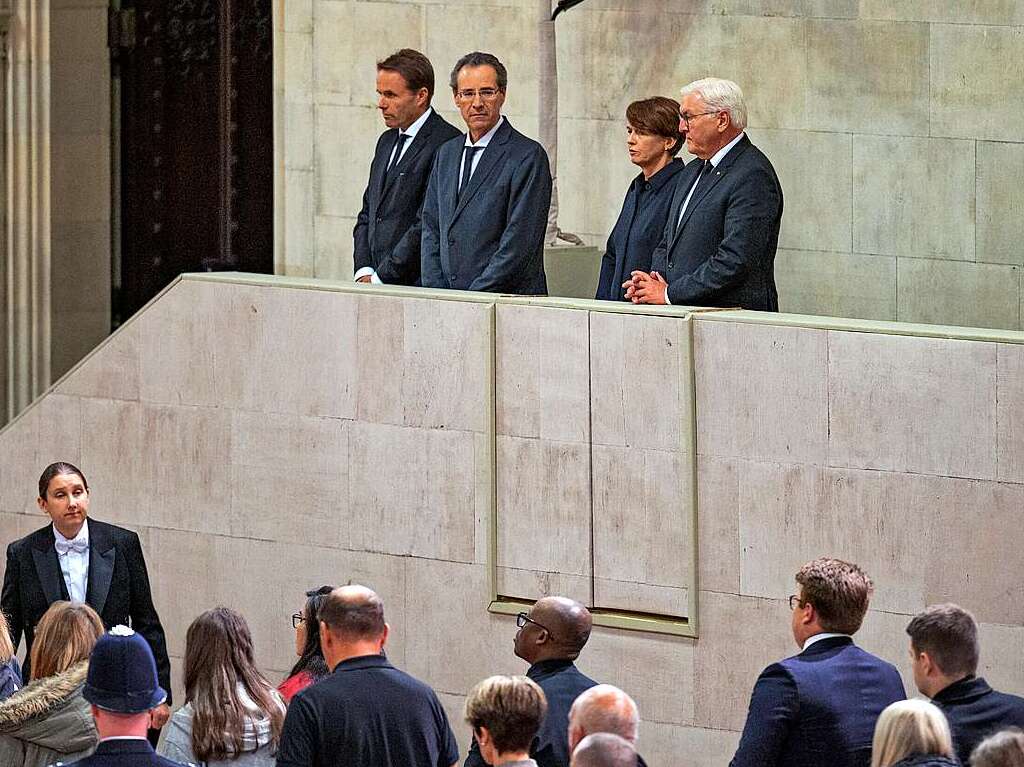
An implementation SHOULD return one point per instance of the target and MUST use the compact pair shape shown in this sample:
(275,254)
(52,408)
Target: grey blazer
(492,237)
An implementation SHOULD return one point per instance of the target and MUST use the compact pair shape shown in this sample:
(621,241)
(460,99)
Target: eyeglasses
(297,618)
(487,94)
(522,619)
(795,601)
(686,118)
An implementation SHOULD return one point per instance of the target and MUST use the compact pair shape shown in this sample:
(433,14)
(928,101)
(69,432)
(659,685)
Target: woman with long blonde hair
(912,733)
(48,720)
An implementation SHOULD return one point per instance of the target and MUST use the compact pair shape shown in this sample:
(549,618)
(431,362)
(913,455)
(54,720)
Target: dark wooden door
(196,142)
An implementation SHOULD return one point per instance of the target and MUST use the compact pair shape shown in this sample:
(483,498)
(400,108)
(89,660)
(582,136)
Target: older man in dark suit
(819,708)
(387,232)
(944,651)
(489,193)
(84,560)
(719,244)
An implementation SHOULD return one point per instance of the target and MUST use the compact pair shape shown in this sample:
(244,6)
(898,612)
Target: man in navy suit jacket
(719,243)
(819,708)
(387,232)
(489,193)
(945,651)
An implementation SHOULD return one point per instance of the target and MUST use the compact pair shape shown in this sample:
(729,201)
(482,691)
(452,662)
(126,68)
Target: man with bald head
(603,749)
(604,708)
(366,712)
(550,638)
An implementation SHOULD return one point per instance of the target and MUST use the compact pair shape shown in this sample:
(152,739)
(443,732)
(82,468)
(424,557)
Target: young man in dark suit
(489,193)
(944,652)
(387,232)
(84,560)
(819,708)
(719,243)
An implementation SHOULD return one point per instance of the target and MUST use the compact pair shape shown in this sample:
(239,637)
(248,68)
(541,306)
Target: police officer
(123,689)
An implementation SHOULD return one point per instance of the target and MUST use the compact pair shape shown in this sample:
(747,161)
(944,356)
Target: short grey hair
(602,749)
(721,96)
(606,708)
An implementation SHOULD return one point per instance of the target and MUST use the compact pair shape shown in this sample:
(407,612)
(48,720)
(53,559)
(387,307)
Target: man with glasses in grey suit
(488,196)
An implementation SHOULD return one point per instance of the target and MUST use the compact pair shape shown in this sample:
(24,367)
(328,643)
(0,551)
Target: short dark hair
(657,116)
(413,66)
(352,620)
(480,59)
(840,592)
(949,635)
(510,707)
(56,469)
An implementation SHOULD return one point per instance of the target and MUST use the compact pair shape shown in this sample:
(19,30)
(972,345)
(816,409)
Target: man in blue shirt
(366,712)
(819,708)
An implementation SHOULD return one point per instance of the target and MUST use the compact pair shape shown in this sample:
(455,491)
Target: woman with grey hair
(505,713)
(1004,749)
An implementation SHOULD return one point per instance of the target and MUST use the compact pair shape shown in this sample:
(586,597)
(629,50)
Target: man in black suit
(83,560)
(719,244)
(944,653)
(550,638)
(489,193)
(819,708)
(387,232)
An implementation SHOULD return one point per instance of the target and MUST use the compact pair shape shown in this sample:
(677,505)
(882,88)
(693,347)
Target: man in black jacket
(387,232)
(84,560)
(944,652)
(551,636)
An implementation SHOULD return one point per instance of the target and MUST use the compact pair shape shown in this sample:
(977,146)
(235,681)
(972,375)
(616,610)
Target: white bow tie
(78,546)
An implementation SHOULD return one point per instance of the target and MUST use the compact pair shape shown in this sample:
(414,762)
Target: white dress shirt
(823,635)
(73,555)
(411,132)
(716,158)
(482,144)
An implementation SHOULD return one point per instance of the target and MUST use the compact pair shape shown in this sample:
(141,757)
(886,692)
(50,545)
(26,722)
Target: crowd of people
(470,210)
(95,692)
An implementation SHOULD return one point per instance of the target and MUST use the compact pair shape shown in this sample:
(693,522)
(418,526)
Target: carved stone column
(26,204)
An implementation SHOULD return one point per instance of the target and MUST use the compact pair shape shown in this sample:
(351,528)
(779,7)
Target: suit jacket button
(379,219)
(669,264)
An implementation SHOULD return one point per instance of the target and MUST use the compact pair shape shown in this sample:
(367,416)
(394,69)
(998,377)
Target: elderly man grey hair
(603,708)
(602,749)
(720,95)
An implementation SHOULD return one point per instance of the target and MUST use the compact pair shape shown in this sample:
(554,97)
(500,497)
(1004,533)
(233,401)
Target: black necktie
(399,143)
(467,166)
(704,173)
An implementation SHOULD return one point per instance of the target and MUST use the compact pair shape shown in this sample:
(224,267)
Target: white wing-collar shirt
(73,555)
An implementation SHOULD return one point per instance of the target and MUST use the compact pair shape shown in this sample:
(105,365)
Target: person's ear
(384,636)
(423,97)
(326,640)
(927,664)
(41,503)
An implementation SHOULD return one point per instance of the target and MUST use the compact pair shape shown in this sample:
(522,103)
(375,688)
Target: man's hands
(158,716)
(644,288)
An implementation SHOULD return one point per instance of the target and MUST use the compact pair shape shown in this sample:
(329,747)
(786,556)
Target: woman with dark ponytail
(311,665)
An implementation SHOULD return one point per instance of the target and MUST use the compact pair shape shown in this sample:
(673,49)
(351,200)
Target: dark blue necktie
(396,156)
(467,166)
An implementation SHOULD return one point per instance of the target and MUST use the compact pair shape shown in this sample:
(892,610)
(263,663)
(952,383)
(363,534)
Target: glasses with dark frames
(297,618)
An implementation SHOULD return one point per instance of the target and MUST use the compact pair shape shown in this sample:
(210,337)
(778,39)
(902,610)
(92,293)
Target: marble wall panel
(335,247)
(836,284)
(20,467)
(1000,202)
(894,401)
(972,65)
(1010,413)
(112,372)
(957,293)
(298,212)
(642,534)
(1001,664)
(639,378)
(885,634)
(757,632)
(412,491)
(750,402)
(816,173)
(534,584)
(345,138)
(668,743)
(113,458)
(544,506)
(657,672)
(542,373)
(914,197)
(994,12)
(424,363)
(718,513)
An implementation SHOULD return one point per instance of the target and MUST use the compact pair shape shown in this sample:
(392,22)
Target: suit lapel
(101,568)
(48,570)
(717,174)
(418,142)
(682,190)
(489,160)
(380,165)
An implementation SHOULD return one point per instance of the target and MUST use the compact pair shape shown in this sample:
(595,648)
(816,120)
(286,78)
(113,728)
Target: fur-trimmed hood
(42,697)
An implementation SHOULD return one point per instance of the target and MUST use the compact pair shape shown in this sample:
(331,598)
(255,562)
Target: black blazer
(975,711)
(387,232)
(638,231)
(118,587)
(723,253)
(125,753)
(492,237)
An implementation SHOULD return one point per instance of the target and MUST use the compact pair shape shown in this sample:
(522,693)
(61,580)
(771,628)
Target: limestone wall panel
(957,293)
(1010,413)
(843,284)
(1000,203)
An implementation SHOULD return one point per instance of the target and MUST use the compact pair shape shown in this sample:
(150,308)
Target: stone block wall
(267,436)
(894,126)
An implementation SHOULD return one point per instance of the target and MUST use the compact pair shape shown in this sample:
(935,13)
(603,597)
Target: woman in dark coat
(653,140)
